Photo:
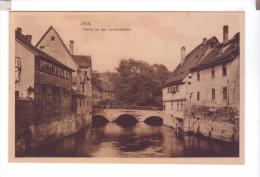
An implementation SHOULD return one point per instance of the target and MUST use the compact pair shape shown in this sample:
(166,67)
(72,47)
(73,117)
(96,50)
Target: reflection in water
(141,140)
(154,121)
(126,120)
(99,121)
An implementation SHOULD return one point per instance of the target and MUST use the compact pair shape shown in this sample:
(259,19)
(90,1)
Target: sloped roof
(191,60)
(22,39)
(106,86)
(82,60)
(105,81)
(223,53)
(45,34)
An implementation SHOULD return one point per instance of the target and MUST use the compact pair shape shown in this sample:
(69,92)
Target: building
(214,96)
(202,93)
(52,44)
(41,78)
(177,86)
(82,85)
(43,97)
(103,89)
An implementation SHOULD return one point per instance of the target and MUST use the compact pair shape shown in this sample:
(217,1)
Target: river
(141,140)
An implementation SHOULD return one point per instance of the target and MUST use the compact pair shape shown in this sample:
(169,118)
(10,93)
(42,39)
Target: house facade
(176,88)
(82,85)
(43,96)
(53,96)
(103,89)
(52,44)
(213,109)
(202,93)
(41,78)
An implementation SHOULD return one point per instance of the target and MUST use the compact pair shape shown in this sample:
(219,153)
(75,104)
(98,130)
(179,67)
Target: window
(53,38)
(177,105)
(55,70)
(83,87)
(18,69)
(213,94)
(62,72)
(213,73)
(16,94)
(225,93)
(198,96)
(198,76)
(224,70)
(171,105)
(42,65)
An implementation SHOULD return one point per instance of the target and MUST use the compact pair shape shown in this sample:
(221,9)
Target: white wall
(206,84)
(56,49)
(28,68)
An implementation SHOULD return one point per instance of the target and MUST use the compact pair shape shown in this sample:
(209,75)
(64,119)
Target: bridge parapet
(129,107)
(141,115)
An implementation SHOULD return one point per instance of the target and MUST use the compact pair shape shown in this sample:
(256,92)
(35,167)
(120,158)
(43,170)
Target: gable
(52,44)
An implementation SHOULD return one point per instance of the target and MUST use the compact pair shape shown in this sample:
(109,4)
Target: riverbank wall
(32,130)
(221,123)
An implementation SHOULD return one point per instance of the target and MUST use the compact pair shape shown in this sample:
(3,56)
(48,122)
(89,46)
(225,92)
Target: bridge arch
(126,120)
(154,121)
(99,121)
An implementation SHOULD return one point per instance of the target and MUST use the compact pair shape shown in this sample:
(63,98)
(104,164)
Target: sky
(154,37)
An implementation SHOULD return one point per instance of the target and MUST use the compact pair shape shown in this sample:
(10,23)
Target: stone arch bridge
(141,115)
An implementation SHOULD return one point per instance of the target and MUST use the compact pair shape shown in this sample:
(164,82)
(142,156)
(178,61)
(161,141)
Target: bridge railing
(154,108)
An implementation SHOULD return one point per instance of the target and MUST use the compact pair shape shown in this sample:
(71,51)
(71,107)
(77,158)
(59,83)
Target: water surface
(141,140)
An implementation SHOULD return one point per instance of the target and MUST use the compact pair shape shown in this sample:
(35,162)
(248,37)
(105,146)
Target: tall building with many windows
(177,87)
(52,44)
(53,91)
(202,93)
(41,78)
(213,106)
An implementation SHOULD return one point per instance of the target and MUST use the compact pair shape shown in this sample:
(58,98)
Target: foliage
(139,83)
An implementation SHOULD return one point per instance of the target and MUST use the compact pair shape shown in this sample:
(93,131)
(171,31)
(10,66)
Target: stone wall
(220,123)
(39,134)
(31,131)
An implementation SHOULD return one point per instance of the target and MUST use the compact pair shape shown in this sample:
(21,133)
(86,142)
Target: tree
(139,83)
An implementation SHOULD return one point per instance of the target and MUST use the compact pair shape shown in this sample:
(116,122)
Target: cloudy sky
(155,37)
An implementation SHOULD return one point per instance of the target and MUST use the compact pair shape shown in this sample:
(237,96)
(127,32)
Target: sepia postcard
(127,87)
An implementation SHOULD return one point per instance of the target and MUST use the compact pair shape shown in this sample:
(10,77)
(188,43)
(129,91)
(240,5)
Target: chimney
(71,46)
(19,30)
(225,34)
(183,54)
(29,38)
(204,41)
